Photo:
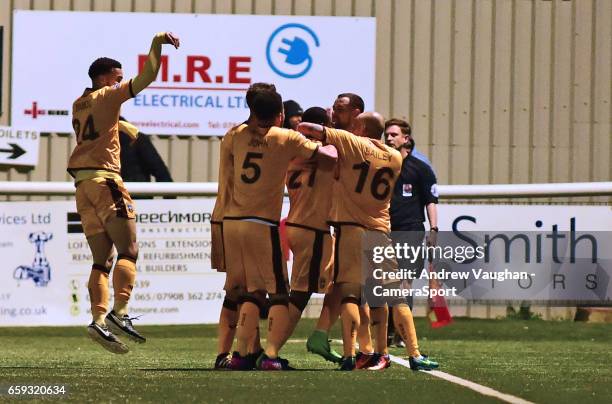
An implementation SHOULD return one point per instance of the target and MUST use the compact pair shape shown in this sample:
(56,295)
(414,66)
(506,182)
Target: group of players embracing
(340,177)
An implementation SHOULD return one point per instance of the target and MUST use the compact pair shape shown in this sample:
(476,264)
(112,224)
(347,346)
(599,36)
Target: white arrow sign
(18,147)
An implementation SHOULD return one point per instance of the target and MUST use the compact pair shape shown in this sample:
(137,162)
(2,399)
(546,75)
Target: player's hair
(267,105)
(291,108)
(409,145)
(102,66)
(373,124)
(355,101)
(403,125)
(316,115)
(255,88)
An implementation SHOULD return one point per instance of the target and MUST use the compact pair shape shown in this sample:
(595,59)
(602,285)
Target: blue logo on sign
(40,271)
(288,50)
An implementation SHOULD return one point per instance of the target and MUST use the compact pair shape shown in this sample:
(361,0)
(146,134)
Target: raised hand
(172,40)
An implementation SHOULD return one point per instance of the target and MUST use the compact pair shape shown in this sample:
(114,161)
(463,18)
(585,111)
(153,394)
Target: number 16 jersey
(368,170)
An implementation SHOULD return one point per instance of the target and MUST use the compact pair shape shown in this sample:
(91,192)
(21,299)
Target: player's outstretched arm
(153,63)
(313,130)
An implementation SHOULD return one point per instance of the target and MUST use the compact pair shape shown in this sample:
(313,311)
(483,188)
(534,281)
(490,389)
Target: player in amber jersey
(229,310)
(309,185)
(106,208)
(368,170)
(261,153)
(347,107)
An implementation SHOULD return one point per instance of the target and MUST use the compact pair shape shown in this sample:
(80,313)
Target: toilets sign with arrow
(18,147)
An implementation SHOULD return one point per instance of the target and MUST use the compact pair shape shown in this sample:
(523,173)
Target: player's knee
(101,268)
(230,304)
(231,300)
(299,299)
(397,308)
(279,299)
(378,311)
(129,251)
(133,250)
(350,293)
(257,298)
(109,262)
(264,309)
(130,255)
(378,315)
(410,302)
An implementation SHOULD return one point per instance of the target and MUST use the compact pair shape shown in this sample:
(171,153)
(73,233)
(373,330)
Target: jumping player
(105,206)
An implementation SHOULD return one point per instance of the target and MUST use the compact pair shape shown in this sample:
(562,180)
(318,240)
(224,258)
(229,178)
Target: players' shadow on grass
(214,370)
(176,369)
(55,367)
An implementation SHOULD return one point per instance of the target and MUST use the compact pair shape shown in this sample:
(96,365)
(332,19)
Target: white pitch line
(479,388)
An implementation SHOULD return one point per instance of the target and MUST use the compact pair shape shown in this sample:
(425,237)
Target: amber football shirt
(95,117)
(310,187)
(260,161)
(367,170)
(226,180)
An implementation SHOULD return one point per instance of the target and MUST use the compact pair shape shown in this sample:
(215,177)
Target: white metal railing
(53,188)
(210,189)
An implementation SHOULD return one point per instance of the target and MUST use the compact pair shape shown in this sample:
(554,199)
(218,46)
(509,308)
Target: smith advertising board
(46,260)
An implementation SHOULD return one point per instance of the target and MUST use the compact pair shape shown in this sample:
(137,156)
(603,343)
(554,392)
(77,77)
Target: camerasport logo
(35,111)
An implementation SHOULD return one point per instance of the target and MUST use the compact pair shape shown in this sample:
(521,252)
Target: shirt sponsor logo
(407,190)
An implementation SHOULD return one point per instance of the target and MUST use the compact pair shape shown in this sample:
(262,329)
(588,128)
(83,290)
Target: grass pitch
(535,360)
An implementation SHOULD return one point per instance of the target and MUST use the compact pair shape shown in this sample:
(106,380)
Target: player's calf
(350,316)
(124,276)
(248,321)
(278,322)
(228,319)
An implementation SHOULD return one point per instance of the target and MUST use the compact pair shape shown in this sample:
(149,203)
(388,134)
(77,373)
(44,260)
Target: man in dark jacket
(140,160)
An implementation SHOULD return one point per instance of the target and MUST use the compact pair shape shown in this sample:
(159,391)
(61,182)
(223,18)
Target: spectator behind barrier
(139,159)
